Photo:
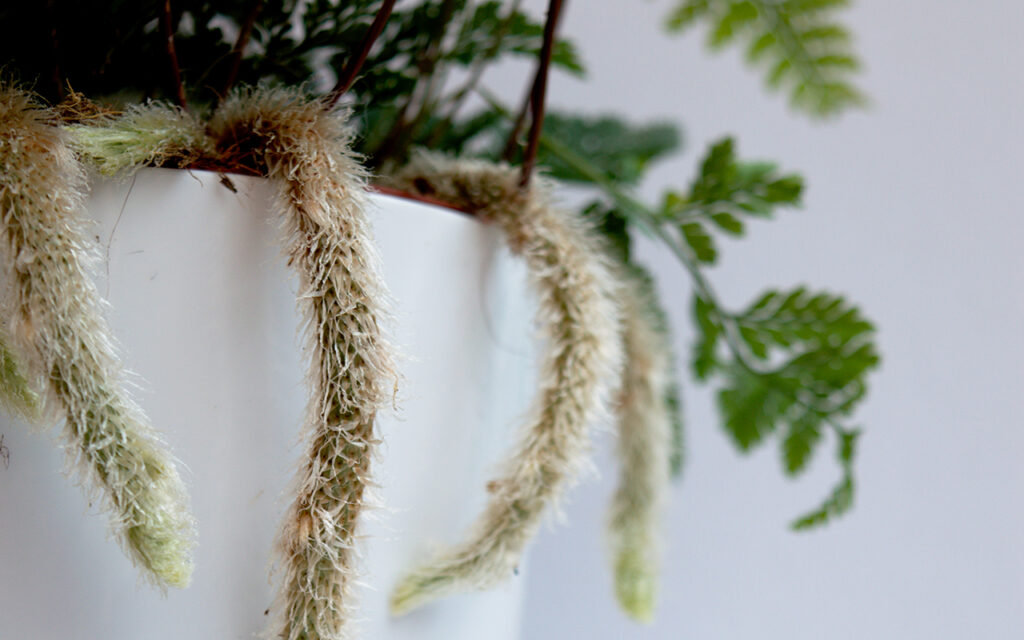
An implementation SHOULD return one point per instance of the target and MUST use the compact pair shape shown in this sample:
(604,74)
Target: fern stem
(238,50)
(539,92)
(167,29)
(56,74)
(352,68)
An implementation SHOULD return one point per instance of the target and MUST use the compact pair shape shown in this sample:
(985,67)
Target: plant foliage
(618,148)
(793,363)
(726,191)
(791,366)
(797,42)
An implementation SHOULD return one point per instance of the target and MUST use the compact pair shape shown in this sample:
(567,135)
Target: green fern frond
(797,43)
(813,354)
(841,498)
(727,190)
(799,364)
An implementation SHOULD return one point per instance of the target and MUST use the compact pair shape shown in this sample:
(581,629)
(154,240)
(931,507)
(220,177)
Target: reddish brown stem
(540,84)
(348,77)
(512,143)
(167,27)
(239,49)
(57,76)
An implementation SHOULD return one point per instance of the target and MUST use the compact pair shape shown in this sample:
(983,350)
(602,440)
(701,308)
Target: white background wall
(913,209)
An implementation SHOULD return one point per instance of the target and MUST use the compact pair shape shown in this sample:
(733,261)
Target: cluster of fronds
(802,48)
(644,441)
(58,335)
(321,195)
(578,317)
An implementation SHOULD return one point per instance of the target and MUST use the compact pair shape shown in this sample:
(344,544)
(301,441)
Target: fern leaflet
(797,42)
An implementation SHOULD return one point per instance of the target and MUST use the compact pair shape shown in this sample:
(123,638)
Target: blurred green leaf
(802,364)
(521,35)
(705,350)
(623,151)
(726,190)
(841,498)
(697,237)
(614,227)
(797,42)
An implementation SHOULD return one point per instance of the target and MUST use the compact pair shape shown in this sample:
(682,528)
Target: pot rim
(408,195)
(374,188)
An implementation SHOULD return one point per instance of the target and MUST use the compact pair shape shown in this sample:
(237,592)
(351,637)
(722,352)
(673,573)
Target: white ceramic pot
(204,308)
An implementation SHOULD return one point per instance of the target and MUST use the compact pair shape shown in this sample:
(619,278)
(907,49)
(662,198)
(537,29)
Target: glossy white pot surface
(204,308)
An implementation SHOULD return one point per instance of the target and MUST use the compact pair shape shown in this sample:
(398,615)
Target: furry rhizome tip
(58,334)
(568,271)
(644,444)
